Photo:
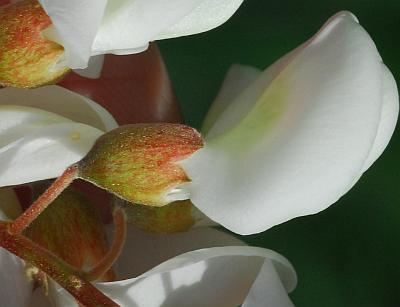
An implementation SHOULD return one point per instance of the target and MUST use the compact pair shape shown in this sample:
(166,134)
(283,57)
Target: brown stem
(116,248)
(65,275)
(30,214)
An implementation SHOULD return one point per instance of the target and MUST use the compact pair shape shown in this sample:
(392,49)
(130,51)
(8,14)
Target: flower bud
(27,57)
(174,217)
(138,163)
(71,229)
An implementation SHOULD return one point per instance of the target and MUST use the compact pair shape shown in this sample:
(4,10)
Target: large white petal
(237,79)
(302,142)
(76,23)
(219,276)
(15,289)
(389,114)
(59,101)
(45,153)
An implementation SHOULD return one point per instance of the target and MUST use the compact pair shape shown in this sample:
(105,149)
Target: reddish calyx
(139,163)
(27,57)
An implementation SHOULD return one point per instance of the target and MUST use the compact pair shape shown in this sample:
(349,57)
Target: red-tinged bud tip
(138,163)
(27,58)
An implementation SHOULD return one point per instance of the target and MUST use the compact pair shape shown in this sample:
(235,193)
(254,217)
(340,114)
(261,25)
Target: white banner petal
(302,142)
(45,153)
(59,101)
(389,114)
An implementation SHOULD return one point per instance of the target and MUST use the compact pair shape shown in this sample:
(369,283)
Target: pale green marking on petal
(260,121)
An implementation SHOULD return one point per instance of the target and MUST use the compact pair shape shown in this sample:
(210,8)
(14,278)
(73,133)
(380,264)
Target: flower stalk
(112,255)
(65,275)
(59,185)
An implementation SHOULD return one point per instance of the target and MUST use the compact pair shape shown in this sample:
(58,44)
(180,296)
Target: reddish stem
(65,275)
(116,248)
(59,185)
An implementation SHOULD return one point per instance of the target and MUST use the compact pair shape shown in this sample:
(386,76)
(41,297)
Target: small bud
(171,218)
(27,58)
(71,228)
(138,162)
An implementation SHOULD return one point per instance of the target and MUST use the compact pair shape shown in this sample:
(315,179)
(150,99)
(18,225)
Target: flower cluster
(276,144)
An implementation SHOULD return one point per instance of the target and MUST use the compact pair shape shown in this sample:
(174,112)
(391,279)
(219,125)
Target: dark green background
(349,254)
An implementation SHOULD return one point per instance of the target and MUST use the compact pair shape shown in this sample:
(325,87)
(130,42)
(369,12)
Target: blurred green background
(349,254)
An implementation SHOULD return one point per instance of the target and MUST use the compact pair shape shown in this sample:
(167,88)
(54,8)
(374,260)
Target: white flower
(279,144)
(290,141)
(92,27)
(211,276)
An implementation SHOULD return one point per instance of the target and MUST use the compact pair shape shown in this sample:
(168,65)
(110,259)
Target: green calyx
(138,163)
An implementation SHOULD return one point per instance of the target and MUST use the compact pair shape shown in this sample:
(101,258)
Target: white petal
(267,290)
(389,114)
(94,27)
(208,15)
(150,249)
(302,142)
(39,299)
(15,289)
(45,153)
(237,79)
(59,101)
(95,66)
(76,23)
(220,276)
(131,24)
(18,121)
(237,108)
